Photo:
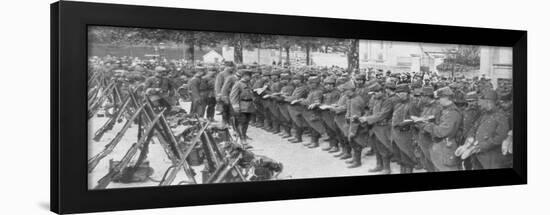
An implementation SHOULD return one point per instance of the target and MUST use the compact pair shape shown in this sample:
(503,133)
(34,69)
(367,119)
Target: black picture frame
(69,190)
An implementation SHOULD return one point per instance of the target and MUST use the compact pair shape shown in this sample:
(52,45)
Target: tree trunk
(308,50)
(238,51)
(353,55)
(280,55)
(287,50)
(190,51)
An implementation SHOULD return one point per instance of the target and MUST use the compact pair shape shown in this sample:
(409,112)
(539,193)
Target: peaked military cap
(428,91)
(444,92)
(402,88)
(330,80)
(489,94)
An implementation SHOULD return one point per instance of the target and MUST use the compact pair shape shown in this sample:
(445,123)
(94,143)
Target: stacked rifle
(220,166)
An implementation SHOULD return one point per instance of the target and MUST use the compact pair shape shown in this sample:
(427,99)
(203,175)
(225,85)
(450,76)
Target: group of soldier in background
(417,120)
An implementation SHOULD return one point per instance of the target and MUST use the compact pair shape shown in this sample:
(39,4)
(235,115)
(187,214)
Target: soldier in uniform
(226,91)
(340,110)
(224,106)
(489,133)
(241,98)
(444,132)
(210,79)
(312,114)
(470,115)
(274,87)
(358,133)
(159,88)
(268,122)
(330,97)
(295,110)
(279,100)
(401,129)
(198,87)
(430,109)
(260,109)
(379,118)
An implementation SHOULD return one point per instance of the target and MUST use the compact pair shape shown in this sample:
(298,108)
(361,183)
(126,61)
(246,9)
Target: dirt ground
(299,161)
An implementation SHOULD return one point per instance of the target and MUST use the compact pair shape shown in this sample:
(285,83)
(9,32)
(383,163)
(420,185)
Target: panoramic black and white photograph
(178,107)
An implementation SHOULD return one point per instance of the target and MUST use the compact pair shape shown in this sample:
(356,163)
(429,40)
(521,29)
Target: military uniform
(358,133)
(379,118)
(225,107)
(444,133)
(312,116)
(330,98)
(490,132)
(470,116)
(340,111)
(283,106)
(159,89)
(401,133)
(274,87)
(198,88)
(424,139)
(260,113)
(242,102)
(295,110)
(211,97)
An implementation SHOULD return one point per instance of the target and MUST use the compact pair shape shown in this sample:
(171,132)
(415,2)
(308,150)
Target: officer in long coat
(210,79)
(312,114)
(282,105)
(470,115)
(295,110)
(401,129)
(340,111)
(444,132)
(379,118)
(224,106)
(198,89)
(261,118)
(358,133)
(274,87)
(330,97)
(489,133)
(241,98)
(430,109)
(268,122)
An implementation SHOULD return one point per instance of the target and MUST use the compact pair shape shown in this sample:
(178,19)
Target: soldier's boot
(353,154)
(283,129)
(342,151)
(276,128)
(334,149)
(379,164)
(356,161)
(298,137)
(314,143)
(296,140)
(347,153)
(386,166)
(309,143)
(370,152)
(288,132)
(329,147)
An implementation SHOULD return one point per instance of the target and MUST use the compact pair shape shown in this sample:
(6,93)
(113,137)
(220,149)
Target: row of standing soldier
(357,114)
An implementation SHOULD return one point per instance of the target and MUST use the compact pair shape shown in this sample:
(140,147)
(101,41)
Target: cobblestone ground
(298,160)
